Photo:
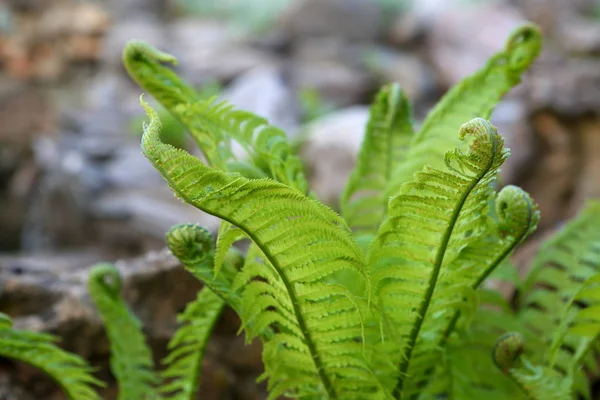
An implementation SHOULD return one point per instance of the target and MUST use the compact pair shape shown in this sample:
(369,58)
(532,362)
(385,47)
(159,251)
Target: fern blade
(290,232)
(131,359)
(71,372)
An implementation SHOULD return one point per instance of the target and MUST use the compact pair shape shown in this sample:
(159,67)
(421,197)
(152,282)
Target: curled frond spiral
(508,349)
(190,242)
(517,214)
(193,246)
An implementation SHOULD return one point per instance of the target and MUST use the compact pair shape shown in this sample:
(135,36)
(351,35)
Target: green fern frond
(71,372)
(475,96)
(537,382)
(186,348)
(388,133)
(214,125)
(430,221)
(143,63)
(316,349)
(131,359)
(560,270)
(515,217)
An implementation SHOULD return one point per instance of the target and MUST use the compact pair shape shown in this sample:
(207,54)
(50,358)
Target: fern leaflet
(131,359)
(186,348)
(317,328)
(388,133)
(70,371)
(475,96)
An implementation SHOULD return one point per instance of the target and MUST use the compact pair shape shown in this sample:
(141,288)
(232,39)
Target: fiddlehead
(537,382)
(507,350)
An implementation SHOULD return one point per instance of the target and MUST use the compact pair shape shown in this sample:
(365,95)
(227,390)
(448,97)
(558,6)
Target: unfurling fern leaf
(215,125)
(430,221)
(300,246)
(388,133)
(131,359)
(71,372)
(475,96)
(193,247)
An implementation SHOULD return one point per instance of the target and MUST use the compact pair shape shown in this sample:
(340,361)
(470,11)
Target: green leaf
(475,96)
(70,371)
(131,359)
(431,219)
(214,125)
(388,133)
(316,346)
(186,347)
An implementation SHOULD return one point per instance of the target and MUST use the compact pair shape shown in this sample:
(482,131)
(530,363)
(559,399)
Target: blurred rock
(588,180)
(9,390)
(330,150)
(333,68)
(406,69)
(45,44)
(264,92)
(139,27)
(406,29)
(335,83)
(511,119)
(570,87)
(126,9)
(350,19)
(208,50)
(455,51)
(580,35)
(550,180)
(48,293)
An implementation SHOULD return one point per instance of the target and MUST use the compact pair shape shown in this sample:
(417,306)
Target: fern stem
(437,266)
(452,325)
(297,312)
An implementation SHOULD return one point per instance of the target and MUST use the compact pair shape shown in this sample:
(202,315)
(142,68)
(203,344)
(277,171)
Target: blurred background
(75,189)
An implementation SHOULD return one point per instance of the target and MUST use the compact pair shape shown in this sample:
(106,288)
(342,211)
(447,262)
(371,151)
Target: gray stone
(332,144)
(208,50)
(48,293)
(455,51)
(413,75)
(569,87)
(264,92)
(336,83)
(511,119)
(350,19)
(138,27)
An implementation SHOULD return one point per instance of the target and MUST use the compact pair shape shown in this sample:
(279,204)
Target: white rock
(330,151)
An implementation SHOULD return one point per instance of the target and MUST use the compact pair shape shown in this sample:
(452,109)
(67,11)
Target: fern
(186,348)
(475,96)
(388,133)
(558,276)
(299,245)
(131,359)
(445,210)
(537,382)
(70,371)
(215,125)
